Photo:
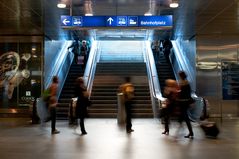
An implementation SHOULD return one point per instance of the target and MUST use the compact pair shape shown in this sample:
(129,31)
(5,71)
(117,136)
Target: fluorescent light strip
(173,5)
(61,5)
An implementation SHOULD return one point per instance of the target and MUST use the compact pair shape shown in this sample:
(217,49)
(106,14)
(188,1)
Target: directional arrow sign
(110,20)
(117,21)
(66,20)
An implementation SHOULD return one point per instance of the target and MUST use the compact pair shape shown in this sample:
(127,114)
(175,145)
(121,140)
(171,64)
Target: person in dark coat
(167,45)
(82,102)
(36,93)
(84,52)
(75,50)
(184,102)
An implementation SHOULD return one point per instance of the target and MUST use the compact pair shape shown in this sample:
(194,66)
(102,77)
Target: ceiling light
(61,5)
(88,14)
(173,4)
(147,14)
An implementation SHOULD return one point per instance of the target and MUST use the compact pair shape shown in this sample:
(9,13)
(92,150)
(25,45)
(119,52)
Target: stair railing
(155,91)
(60,67)
(179,63)
(91,65)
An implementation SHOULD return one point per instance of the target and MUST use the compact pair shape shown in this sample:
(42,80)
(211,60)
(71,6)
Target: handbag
(46,95)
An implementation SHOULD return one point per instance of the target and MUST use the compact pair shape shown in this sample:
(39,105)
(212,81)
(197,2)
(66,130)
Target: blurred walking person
(53,104)
(84,52)
(75,50)
(82,102)
(170,92)
(128,92)
(184,100)
(167,45)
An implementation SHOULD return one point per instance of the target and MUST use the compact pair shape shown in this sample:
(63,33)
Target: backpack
(129,92)
(46,95)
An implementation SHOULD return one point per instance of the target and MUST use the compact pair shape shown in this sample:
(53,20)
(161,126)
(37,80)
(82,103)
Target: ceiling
(192,18)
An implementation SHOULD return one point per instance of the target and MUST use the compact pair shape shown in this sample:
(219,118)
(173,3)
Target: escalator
(164,69)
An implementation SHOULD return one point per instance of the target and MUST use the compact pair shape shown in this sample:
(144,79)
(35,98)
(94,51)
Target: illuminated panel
(116,21)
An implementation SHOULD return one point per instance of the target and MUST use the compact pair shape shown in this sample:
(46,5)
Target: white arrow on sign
(110,20)
(65,21)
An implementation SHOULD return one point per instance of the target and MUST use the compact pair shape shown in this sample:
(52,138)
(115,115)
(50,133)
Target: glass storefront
(20,73)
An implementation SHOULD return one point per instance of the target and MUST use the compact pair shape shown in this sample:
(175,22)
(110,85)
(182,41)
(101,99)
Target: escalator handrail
(153,75)
(182,63)
(194,114)
(155,91)
(58,65)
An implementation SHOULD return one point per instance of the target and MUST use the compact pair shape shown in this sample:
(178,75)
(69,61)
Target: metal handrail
(58,63)
(58,67)
(182,63)
(91,66)
(153,77)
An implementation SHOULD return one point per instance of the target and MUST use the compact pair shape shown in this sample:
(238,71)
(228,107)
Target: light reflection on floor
(106,139)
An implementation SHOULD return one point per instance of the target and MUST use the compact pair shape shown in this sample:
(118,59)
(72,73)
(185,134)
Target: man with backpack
(128,92)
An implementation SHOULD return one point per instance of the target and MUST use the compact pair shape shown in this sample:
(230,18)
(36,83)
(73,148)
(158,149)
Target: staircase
(121,51)
(68,91)
(164,69)
(114,65)
(108,77)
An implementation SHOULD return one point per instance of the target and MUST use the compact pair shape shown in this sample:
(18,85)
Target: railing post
(121,109)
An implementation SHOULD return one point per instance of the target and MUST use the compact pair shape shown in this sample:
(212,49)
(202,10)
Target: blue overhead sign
(154,21)
(66,20)
(77,21)
(117,21)
(93,21)
(133,21)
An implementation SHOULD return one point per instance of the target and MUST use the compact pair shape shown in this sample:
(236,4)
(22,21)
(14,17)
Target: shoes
(165,132)
(84,133)
(190,136)
(130,131)
(55,132)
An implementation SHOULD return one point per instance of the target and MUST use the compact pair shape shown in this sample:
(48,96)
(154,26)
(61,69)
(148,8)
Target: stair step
(108,78)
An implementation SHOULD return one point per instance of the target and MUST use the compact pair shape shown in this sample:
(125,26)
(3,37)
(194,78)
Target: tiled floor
(107,140)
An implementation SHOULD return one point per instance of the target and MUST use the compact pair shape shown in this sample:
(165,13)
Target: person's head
(55,79)
(83,42)
(182,75)
(170,83)
(80,80)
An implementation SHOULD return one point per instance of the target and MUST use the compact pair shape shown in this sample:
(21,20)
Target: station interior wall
(211,51)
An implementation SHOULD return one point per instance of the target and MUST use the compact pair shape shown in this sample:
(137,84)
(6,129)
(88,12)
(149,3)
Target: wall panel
(211,51)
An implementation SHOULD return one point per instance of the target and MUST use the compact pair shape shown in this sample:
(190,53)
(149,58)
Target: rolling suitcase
(210,129)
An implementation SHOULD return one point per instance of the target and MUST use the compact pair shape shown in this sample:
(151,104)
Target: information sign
(230,80)
(117,21)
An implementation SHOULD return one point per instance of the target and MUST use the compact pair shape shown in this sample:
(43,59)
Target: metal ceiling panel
(193,17)
(20,17)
